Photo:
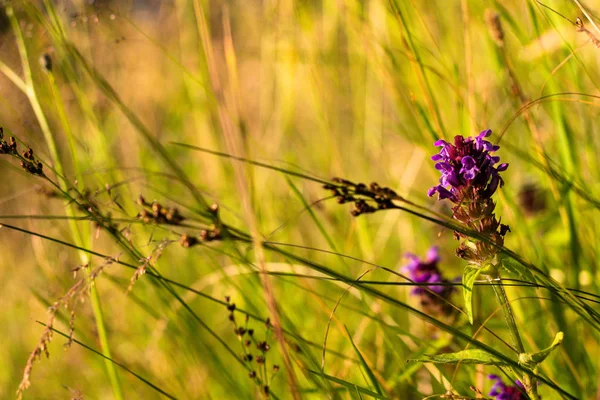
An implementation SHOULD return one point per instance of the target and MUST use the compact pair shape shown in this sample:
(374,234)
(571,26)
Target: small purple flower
(426,271)
(467,166)
(482,144)
(500,391)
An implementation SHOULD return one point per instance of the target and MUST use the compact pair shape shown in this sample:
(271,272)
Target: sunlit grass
(254,106)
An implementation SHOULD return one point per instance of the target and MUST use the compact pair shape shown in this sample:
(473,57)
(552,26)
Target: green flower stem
(530,384)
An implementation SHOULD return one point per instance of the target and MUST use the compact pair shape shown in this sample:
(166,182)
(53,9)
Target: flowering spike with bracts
(470,175)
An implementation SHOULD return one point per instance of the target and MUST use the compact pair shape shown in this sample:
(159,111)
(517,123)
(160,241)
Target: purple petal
(443,166)
(408,269)
(470,175)
(469,168)
(500,391)
(485,133)
(519,384)
(432,255)
(498,388)
(468,162)
(412,256)
(444,193)
(502,167)
(437,289)
(491,189)
(440,142)
(418,291)
(435,278)
(453,179)
(423,277)
(485,145)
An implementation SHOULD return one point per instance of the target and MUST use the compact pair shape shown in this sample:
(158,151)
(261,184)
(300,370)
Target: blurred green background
(357,89)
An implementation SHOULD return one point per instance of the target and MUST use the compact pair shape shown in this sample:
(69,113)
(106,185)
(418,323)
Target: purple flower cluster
(470,176)
(500,391)
(424,271)
(433,290)
(466,166)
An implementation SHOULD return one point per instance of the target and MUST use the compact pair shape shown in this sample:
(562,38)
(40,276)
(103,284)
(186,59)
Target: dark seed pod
(188,241)
(532,199)
(46,62)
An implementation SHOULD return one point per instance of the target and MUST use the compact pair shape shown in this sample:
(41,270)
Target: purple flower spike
(469,177)
(467,168)
(433,289)
(500,391)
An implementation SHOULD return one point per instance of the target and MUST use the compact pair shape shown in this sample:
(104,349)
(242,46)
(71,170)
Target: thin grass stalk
(420,74)
(511,323)
(75,56)
(57,164)
(232,137)
(146,381)
(64,119)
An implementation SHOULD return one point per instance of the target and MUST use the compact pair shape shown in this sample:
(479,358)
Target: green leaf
(531,360)
(471,356)
(365,366)
(469,277)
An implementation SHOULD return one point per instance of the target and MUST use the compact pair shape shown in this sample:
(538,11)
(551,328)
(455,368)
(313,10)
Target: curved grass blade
(365,365)
(252,162)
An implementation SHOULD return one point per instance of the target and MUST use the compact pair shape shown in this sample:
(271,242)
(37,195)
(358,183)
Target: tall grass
(228,118)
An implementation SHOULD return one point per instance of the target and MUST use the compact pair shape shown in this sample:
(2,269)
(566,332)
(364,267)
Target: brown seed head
(493,21)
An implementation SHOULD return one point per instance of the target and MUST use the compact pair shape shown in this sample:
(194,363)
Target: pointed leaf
(471,356)
(469,277)
(531,360)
